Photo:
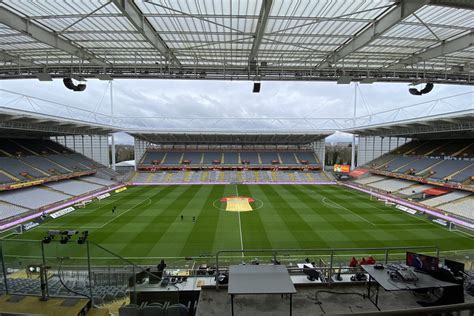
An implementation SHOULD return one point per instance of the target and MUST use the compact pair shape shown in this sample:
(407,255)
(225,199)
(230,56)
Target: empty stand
(448,167)
(462,207)
(46,165)
(73,187)
(418,165)
(446,198)
(391,185)
(268,157)
(20,170)
(33,197)
(8,210)
(231,158)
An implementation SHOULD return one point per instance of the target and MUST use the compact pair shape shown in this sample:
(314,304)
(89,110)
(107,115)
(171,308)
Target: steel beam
(446,47)
(402,10)
(40,34)
(136,18)
(259,31)
(4,57)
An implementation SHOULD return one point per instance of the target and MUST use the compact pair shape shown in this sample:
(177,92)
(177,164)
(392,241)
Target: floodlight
(44,76)
(368,80)
(344,80)
(104,77)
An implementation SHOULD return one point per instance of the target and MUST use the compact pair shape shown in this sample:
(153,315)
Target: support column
(113,151)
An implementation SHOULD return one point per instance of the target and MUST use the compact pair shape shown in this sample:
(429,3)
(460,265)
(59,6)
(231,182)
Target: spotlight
(427,89)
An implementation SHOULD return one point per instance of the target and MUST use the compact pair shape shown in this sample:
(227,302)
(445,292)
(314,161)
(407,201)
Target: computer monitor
(454,266)
(422,263)
(311,273)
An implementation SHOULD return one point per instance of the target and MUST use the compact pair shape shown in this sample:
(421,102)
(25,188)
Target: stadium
(236,215)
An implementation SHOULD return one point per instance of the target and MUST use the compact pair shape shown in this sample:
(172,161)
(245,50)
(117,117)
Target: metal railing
(277,254)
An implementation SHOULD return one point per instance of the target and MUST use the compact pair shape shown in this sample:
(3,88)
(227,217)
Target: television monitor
(422,263)
(311,273)
(454,266)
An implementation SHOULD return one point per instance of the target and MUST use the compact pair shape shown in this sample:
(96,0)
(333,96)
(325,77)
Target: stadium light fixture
(104,76)
(256,87)
(344,80)
(44,76)
(368,80)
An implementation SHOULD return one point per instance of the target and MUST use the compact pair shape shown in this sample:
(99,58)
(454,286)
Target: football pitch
(147,222)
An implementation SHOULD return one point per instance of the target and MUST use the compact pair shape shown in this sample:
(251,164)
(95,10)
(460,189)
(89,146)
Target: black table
(260,279)
(382,278)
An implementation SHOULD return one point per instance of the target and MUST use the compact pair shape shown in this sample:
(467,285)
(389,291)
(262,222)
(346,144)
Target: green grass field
(147,222)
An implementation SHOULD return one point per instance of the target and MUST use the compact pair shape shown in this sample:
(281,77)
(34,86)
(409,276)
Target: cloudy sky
(201,99)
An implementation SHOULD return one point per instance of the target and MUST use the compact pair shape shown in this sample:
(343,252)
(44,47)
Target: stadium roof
(14,123)
(384,40)
(231,138)
(454,125)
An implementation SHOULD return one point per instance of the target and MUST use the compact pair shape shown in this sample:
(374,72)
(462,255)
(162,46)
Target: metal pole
(112,135)
(89,271)
(330,267)
(386,256)
(217,270)
(354,125)
(45,294)
(4,271)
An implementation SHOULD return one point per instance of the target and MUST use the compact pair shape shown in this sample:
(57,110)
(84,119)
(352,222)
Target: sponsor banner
(342,168)
(103,196)
(440,221)
(25,184)
(30,225)
(406,209)
(62,212)
(121,189)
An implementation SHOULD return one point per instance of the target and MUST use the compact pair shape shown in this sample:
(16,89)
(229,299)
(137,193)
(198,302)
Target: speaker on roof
(256,87)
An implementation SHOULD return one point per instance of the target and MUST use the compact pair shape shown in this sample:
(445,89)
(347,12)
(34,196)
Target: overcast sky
(198,99)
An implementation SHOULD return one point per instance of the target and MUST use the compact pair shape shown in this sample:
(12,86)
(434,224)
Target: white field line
(106,223)
(345,208)
(296,256)
(240,225)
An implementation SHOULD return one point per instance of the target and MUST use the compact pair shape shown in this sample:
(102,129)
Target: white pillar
(112,135)
(353,166)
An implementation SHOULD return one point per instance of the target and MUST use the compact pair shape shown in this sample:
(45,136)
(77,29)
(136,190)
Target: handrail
(330,251)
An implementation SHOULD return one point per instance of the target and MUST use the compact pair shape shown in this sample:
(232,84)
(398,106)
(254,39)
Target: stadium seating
(455,195)
(398,163)
(447,168)
(418,165)
(33,197)
(67,160)
(45,165)
(391,185)
(230,176)
(16,168)
(464,175)
(462,207)
(231,158)
(415,189)
(267,159)
(8,210)
(73,187)
(370,179)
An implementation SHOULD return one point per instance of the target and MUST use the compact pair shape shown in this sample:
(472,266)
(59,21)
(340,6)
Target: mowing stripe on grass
(254,233)
(240,225)
(203,232)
